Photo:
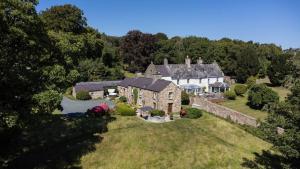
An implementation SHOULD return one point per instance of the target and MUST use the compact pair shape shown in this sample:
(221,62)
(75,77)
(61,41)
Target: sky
(263,21)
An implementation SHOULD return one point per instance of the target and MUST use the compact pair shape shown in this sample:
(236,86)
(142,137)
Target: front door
(170,105)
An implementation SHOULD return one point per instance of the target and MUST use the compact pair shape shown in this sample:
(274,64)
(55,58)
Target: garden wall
(222,111)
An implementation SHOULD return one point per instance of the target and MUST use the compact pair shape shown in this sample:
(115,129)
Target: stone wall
(164,100)
(222,111)
(147,97)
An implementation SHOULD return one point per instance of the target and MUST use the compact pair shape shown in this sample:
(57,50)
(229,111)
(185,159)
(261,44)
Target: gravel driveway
(79,106)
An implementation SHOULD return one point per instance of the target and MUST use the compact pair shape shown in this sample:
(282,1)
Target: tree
(279,68)
(161,36)
(286,116)
(137,50)
(67,18)
(247,64)
(260,95)
(47,101)
(24,51)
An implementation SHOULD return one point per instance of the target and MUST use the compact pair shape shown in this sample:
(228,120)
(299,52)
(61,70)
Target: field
(208,142)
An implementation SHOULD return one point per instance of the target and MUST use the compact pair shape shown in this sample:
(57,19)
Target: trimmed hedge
(193,113)
(240,89)
(230,95)
(83,95)
(123,99)
(125,110)
(157,113)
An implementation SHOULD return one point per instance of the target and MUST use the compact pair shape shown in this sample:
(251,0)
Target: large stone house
(194,78)
(95,89)
(150,92)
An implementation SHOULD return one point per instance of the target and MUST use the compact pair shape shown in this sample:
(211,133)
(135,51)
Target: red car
(98,111)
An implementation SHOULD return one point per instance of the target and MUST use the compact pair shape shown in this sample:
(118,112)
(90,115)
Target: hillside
(208,142)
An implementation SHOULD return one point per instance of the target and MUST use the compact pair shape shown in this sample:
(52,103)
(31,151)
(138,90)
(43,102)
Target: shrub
(157,113)
(69,91)
(83,95)
(125,110)
(123,99)
(185,98)
(251,81)
(193,113)
(240,89)
(47,101)
(260,95)
(230,95)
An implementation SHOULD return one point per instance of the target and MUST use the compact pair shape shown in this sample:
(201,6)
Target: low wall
(222,111)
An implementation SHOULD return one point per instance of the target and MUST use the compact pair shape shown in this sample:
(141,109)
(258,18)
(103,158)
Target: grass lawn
(240,104)
(208,142)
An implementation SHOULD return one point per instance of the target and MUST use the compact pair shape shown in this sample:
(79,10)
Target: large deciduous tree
(279,68)
(67,18)
(24,47)
(137,50)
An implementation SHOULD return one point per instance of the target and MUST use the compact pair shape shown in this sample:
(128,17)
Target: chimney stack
(199,61)
(165,61)
(188,61)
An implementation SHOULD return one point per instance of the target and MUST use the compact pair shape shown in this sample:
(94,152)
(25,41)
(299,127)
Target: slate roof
(95,86)
(146,108)
(219,84)
(156,85)
(196,71)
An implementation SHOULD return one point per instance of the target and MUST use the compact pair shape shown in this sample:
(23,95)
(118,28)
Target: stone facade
(223,112)
(168,100)
(93,94)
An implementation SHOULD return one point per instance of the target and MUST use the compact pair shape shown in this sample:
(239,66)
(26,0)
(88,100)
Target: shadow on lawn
(51,141)
(264,160)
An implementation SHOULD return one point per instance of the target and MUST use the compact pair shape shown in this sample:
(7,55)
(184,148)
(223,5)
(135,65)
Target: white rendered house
(194,78)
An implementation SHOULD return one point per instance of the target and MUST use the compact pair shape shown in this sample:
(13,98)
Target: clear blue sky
(264,21)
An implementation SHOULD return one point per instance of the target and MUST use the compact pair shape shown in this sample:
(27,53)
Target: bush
(157,113)
(240,89)
(230,95)
(125,110)
(123,99)
(251,81)
(260,95)
(185,98)
(47,101)
(69,91)
(83,95)
(193,113)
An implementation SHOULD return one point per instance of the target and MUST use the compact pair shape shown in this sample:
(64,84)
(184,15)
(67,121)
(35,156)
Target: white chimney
(188,61)
(165,61)
(199,61)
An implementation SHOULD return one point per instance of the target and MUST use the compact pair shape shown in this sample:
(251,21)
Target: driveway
(79,106)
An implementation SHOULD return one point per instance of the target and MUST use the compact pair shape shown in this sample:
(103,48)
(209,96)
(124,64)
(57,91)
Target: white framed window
(178,81)
(171,95)
(200,80)
(188,81)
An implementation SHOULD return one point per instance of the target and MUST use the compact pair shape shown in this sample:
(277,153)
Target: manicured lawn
(240,104)
(208,142)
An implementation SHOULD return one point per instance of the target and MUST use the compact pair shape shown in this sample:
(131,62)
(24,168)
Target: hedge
(125,110)
(230,95)
(193,113)
(157,113)
(240,89)
(83,95)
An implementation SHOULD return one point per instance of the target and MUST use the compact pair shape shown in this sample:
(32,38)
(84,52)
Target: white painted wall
(204,82)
